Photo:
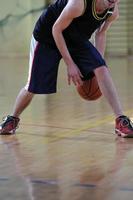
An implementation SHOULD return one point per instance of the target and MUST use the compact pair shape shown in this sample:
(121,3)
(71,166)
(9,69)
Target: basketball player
(63,31)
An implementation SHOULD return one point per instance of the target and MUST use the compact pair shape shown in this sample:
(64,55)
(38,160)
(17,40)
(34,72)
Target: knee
(27,93)
(101,72)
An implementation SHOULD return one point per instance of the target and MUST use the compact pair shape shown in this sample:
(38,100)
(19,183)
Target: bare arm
(100,37)
(73,9)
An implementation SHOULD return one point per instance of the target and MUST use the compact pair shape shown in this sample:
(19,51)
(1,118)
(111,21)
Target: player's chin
(111,5)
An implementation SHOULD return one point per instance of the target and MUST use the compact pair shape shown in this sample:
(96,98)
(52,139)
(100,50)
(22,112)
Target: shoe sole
(121,134)
(5,132)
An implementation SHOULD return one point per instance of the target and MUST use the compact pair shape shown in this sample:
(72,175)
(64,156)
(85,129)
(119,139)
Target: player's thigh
(43,70)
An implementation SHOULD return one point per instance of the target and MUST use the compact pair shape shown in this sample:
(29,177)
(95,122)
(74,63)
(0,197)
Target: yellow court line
(89,125)
(68,134)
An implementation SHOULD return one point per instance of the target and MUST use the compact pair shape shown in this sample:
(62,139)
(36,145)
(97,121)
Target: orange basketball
(89,90)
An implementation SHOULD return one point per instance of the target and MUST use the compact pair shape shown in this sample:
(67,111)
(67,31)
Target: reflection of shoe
(124,127)
(9,125)
(123,146)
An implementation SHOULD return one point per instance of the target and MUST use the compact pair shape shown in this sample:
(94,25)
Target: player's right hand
(74,75)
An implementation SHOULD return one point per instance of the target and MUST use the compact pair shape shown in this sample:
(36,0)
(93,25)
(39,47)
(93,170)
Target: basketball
(89,90)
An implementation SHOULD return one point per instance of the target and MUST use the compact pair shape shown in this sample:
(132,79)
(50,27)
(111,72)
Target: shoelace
(125,122)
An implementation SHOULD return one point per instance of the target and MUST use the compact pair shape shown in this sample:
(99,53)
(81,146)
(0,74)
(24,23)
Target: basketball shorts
(44,62)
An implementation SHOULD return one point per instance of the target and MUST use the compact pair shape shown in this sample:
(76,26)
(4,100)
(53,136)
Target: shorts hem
(42,92)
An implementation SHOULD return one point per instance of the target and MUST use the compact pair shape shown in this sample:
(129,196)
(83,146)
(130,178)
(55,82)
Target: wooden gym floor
(65,148)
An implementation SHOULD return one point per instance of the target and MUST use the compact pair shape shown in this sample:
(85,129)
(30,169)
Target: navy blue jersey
(78,32)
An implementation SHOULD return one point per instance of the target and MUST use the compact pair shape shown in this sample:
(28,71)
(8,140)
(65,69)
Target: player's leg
(41,80)
(22,101)
(10,123)
(108,89)
(89,60)
(124,126)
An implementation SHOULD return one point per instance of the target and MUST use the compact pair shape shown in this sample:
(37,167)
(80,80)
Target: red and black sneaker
(124,127)
(9,125)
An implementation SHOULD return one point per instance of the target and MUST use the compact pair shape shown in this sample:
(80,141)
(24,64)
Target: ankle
(120,116)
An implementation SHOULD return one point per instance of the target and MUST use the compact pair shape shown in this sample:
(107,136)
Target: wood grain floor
(65,147)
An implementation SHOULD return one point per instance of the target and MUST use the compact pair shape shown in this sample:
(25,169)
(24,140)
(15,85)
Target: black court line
(55,183)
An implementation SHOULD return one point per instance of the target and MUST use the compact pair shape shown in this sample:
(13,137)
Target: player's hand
(74,75)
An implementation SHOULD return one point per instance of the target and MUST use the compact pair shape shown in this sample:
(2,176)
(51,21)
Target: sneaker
(124,127)
(9,125)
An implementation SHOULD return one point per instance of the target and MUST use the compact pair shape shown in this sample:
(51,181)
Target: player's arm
(73,9)
(100,36)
